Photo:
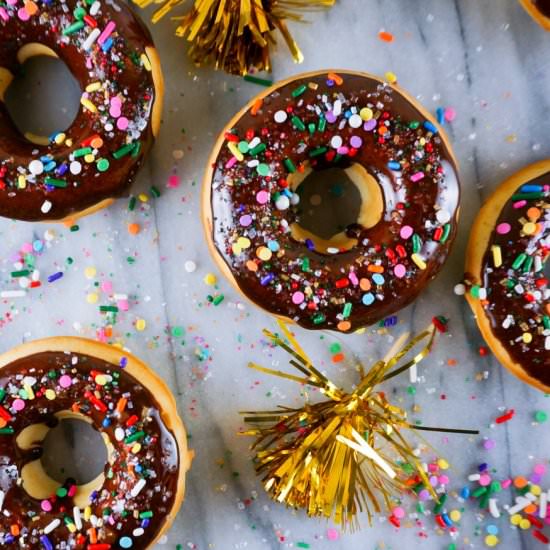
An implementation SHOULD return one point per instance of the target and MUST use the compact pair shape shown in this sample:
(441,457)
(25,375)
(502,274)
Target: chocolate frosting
(32,390)
(98,156)
(393,261)
(543,6)
(518,305)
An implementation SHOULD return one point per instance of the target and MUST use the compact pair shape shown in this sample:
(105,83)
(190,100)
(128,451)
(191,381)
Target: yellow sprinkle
(515,519)
(419,261)
(535,489)
(101,379)
(87,513)
(243,242)
(524,524)
(21,181)
(455,515)
(141,324)
(210,279)
(136,448)
(89,158)
(87,104)
(71,527)
(92,298)
(69,142)
(29,391)
(264,253)
(145,62)
(236,249)
(365,113)
(90,272)
(527,337)
(235,150)
(491,540)
(60,138)
(93,87)
(497,255)
(143,197)
(529,228)
(443,464)
(360,330)
(390,77)
(50,395)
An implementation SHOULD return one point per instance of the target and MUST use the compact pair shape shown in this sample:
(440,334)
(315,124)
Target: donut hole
(336,205)
(73,449)
(43,98)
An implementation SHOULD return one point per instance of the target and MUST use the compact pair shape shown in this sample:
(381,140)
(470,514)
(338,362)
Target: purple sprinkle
(245,220)
(309,244)
(145,522)
(356,142)
(9,538)
(46,542)
(62,169)
(55,276)
(330,83)
(266,279)
(483,467)
(123,362)
(369,125)
(331,117)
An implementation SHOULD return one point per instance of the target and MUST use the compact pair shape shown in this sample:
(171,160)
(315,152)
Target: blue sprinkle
(125,542)
(123,362)
(37,245)
(273,246)
(530,188)
(482,467)
(394,165)
(266,279)
(465,492)
(55,276)
(492,529)
(368,298)
(309,244)
(106,422)
(440,114)
(62,169)
(107,45)
(378,279)
(145,522)
(46,542)
(430,127)
(447,519)
(48,167)
(330,83)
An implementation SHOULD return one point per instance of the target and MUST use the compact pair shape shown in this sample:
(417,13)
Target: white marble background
(485,58)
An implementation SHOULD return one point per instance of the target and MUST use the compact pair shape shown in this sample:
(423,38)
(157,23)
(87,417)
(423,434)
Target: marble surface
(485,58)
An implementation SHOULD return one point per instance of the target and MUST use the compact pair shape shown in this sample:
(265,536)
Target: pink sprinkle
(245,220)
(424,495)
(18,404)
(342,150)
(173,181)
(519,204)
(123,305)
(400,271)
(27,247)
(101,336)
(262,197)
(506,483)
(332,534)
(406,231)
(353,278)
(46,505)
(116,101)
(298,297)
(12,2)
(65,381)
(417,177)
(106,286)
(444,480)
(398,512)
(4,14)
(111,26)
(489,444)
(114,111)
(122,123)
(539,469)
(72,491)
(484,480)
(449,114)
(231,162)
(503,228)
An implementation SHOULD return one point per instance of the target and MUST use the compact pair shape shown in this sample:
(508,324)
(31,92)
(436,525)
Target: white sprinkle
(190,266)
(137,488)
(542,505)
(94,8)
(336,142)
(493,508)
(77,518)
(253,142)
(282,203)
(460,289)
(46,207)
(13,293)
(119,434)
(547,342)
(36,167)
(332,250)
(355,121)
(443,216)
(138,532)
(413,374)
(521,503)
(89,42)
(337,109)
(474,477)
(120,296)
(482,293)
(280,116)
(54,524)
(75,167)
(2,495)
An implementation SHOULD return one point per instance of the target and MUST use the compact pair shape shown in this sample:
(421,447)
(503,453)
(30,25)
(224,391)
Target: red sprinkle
(540,536)
(394,521)
(505,417)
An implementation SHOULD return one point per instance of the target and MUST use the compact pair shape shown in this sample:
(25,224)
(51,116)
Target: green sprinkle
(145,515)
(55,182)
(311,128)
(322,124)
(74,228)
(347,310)
(289,165)
(61,492)
(528,196)
(2,395)
(297,93)
(102,165)
(22,273)
(79,13)
(260,148)
(446,233)
(243,147)
(74,27)
(318,319)
(479,491)
(123,151)
(440,504)
(546,321)
(474,291)
(411,390)
(134,437)
(305,265)
(82,152)
(177,331)
(297,123)
(417,243)
(420,508)
(155,191)
(263,169)
(302,545)
(318,151)
(414,125)
(519,261)
(256,80)
(132,203)
(335,348)
(528,264)
(137,149)
(108,309)
(6,431)
(541,416)
(218,299)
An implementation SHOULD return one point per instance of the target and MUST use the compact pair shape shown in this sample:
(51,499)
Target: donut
(539,10)
(83,168)
(134,500)
(331,126)
(507,274)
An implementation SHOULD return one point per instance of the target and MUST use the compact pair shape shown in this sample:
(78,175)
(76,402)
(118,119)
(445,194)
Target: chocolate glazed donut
(509,291)
(111,55)
(539,10)
(135,498)
(345,126)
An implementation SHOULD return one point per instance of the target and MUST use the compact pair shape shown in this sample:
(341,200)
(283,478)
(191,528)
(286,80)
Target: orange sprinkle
(3,423)
(121,405)
(338,358)
(69,222)
(31,8)
(364,284)
(75,408)
(533,213)
(96,142)
(385,36)
(338,80)
(373,268)
(520,482)
(301,168)
(251,266)
(14,529)
(93,535)
(133,228)
(343,326)
(108,331)
(530,509)
(256,106)
(382,129)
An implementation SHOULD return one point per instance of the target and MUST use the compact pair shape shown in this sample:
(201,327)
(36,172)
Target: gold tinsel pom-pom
(235,35)
(346,454)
